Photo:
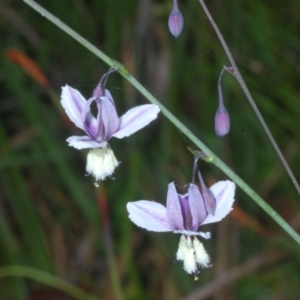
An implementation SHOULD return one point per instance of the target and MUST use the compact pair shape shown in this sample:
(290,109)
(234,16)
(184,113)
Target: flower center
(101,162)
(193,254)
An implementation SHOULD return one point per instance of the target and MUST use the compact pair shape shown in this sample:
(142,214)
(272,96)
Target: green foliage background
(49,213)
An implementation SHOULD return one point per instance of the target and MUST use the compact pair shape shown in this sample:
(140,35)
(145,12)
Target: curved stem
(220,76)
(210,156)
(104,77)
(221,101)
(46,278)
(249,97)
(197,156)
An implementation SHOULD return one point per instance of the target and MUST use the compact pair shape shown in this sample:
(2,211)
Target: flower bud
(175,20)
(222,121)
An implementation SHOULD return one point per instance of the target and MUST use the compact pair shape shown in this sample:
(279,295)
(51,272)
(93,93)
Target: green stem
(46,278)
(214,159)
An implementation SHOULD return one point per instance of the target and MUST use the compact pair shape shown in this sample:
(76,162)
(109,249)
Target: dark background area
(51,214)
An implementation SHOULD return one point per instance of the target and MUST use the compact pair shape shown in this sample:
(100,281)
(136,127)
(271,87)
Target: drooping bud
(175,20)
(222,120)
(208,197)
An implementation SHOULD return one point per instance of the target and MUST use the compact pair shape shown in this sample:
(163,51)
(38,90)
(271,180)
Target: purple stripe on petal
(174,213)
(149,215)
(135,119)
(197,206)
(107,118)
(186,211)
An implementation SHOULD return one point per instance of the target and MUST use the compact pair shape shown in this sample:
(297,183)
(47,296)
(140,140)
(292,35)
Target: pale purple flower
(175,21)
(184,214)
(101,161)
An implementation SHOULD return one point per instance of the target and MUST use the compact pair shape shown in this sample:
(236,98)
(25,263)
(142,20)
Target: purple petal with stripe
(186,211)
(135,119)
(107,118)
(197,206)
(148,215)
(174,212)
(74,103)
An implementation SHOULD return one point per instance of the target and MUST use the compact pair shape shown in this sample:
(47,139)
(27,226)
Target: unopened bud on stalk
(222,120)
(175,20)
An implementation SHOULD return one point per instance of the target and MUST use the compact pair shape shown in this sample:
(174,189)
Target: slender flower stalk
(222,120)
(175,20)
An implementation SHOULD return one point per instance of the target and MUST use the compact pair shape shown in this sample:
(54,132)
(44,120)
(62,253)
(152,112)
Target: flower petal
(74,103)
(197,206)
(90,124)
(208,197)
(109,96)
(174,212)
(135,119)
(149,215)
(107,118)
(83,142)
(224,194)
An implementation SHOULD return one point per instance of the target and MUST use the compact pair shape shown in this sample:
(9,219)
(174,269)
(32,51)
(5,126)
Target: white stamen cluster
(101,162)
(192,253)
